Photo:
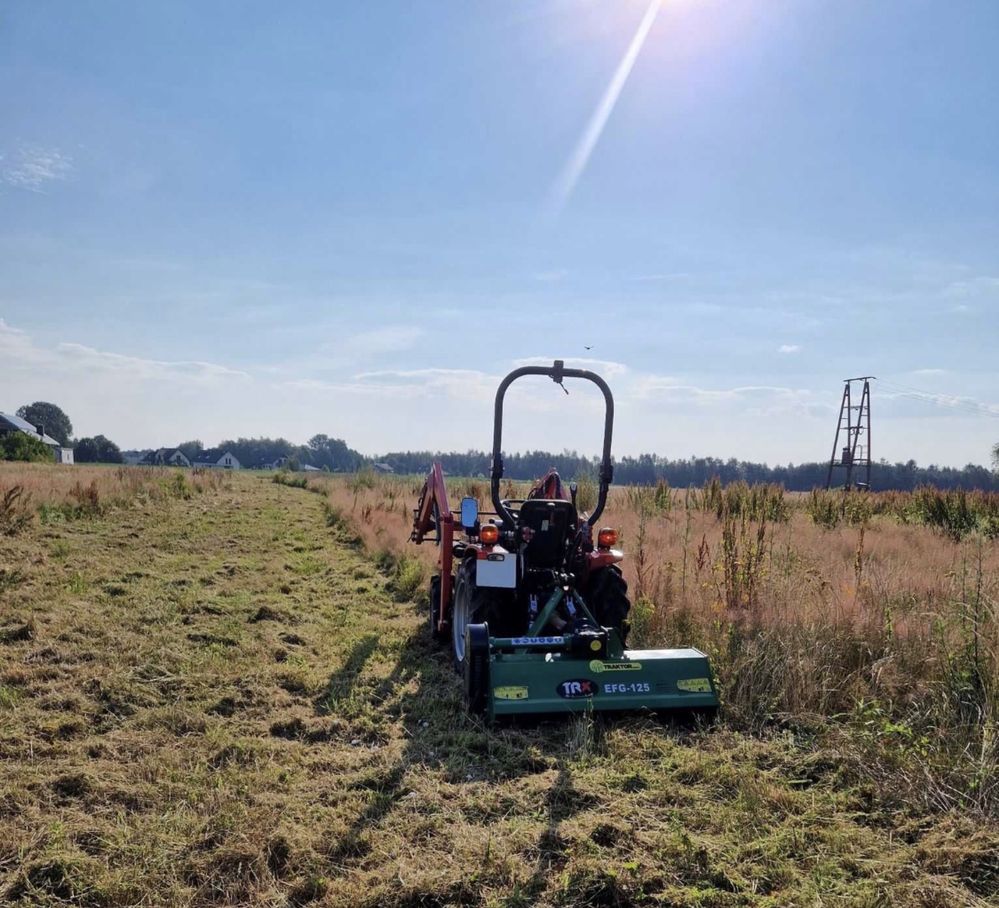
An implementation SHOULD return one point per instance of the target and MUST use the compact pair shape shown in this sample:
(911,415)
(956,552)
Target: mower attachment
(538,675)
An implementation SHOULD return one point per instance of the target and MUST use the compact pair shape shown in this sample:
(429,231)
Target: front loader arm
(433,514)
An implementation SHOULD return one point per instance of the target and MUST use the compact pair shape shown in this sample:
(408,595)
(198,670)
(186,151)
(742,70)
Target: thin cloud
(19,351)
(33,167)
(457,383)
(137,367)
(605,367)
(974,287)
(662,276)
(940,404)
(655,385)
(789,348)
(551,277)
(390,339)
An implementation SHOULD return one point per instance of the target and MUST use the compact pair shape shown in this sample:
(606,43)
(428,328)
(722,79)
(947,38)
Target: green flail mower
(536,608)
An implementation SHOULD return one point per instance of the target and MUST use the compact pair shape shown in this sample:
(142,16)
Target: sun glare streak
(574,167)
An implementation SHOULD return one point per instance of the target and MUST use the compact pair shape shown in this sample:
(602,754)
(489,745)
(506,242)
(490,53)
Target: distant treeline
(695,471)
(321,452)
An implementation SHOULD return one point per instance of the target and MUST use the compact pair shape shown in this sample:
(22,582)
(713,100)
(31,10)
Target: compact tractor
(534,603)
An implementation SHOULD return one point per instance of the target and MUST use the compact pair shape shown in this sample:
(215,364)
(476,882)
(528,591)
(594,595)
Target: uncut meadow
(869,617)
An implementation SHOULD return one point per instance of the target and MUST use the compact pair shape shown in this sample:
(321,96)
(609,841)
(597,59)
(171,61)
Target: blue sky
(255,218)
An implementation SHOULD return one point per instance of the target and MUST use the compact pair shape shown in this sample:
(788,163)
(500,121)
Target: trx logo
(583,687)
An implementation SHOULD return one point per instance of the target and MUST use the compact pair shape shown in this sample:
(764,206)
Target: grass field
(212,692)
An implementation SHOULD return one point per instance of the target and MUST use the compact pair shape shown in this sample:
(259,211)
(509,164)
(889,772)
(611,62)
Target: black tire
(477,668)
(471,605)
(434,612)
(608,599)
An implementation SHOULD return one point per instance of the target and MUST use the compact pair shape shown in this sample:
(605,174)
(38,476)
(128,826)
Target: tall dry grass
(878,627)
(58,492)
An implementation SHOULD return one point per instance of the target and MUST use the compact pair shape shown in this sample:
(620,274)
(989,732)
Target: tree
(333,454)
(51,419)
(96,450)
(995,455)
(21,446)
(192,450)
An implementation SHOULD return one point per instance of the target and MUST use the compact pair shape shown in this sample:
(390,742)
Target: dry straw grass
(68,492)
(869,618)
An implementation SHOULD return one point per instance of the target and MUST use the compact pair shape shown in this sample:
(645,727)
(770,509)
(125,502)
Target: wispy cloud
(462,384)
(751,398)
(139,368)
(551,277)
(973,287)
(32,167)
(17,348)
(659,385)
(72,361)
(390,339)
(655,277)
(789,348)
(939,404)
(605,367)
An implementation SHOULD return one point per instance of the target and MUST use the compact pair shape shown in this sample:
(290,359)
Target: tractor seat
(551,521)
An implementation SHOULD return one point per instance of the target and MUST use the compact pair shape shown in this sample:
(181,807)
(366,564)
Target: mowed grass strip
(220,701)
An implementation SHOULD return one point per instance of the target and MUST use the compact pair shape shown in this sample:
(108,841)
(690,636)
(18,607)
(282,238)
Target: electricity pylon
(854,425)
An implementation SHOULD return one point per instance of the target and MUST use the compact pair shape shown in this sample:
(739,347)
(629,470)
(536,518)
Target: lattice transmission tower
(854,426)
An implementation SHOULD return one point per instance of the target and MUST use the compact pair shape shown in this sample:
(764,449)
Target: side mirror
(469,513)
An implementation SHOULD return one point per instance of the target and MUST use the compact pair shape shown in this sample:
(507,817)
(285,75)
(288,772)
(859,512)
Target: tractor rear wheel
(471,605)
(608,599)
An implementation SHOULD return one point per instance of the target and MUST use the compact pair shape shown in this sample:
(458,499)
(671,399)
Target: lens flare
(574,167)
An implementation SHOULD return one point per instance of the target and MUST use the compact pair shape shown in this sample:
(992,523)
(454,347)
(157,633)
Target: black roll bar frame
(557,373)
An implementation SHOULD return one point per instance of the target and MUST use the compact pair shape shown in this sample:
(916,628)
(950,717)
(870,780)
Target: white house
(165,457)
(227,461)
(10,424)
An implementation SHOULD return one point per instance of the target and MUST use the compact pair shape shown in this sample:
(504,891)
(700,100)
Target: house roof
(22,425)
(162,454)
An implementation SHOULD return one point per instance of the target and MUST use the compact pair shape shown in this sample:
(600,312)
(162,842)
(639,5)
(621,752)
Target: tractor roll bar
(556,373)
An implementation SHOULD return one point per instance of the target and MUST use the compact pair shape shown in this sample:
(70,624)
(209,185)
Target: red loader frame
(433,513)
